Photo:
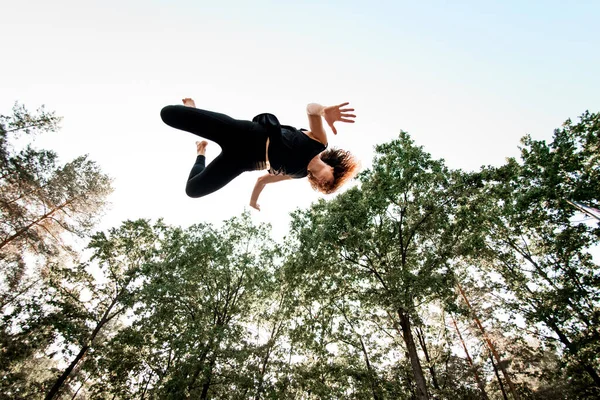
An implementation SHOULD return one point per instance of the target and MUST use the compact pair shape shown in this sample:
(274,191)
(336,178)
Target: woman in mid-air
(263,143)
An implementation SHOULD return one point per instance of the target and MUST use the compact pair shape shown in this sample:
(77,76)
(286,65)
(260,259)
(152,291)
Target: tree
(189,335)
(120,256)
(43,206)
(41,201)
(22,173)
(392,240)
(540,253)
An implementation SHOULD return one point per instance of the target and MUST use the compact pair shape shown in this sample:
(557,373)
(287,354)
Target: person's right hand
(188,102)
(255,205)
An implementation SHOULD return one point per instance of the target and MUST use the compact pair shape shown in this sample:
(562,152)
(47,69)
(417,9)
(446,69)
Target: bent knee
(167,114)
(193,192)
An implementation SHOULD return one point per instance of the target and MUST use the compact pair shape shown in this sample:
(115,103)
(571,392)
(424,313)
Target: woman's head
(340,167)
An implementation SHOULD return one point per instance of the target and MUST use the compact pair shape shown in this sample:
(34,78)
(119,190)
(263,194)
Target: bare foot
(201,147)
(189,102)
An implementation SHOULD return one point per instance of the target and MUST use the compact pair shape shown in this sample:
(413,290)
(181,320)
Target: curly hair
(345,167)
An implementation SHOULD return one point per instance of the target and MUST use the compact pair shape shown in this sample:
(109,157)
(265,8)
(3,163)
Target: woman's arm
(331,114)
(260,185)
(315,112)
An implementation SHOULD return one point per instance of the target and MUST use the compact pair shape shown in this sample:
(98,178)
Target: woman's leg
(204,180)
(200,163)
(214,126)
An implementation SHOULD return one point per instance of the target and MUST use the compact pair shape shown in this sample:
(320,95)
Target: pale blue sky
(465,79)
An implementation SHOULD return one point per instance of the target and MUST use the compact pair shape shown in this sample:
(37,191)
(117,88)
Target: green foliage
(357,303)
(539,250)
(194,299)
(387,247)
(43,205)
(41,201)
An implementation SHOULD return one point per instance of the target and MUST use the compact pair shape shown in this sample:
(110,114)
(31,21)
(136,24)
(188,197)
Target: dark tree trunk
(421,385)
(208,378)
(145,389)
(199,367)
(263,369)
(431,368)
(61,379)
(498,377)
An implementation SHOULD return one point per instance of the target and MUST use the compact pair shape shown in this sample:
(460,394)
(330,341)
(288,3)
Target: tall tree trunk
(372,375)
(421,384)
(421,337)
(480,383)
(208,378)
(145,389)
(61,379)
(261,379)
(200,365)
(504,395)
(491,346)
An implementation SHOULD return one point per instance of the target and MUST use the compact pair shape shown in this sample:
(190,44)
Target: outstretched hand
(334,114)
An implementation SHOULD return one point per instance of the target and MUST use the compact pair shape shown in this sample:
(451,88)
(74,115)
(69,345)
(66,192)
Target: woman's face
(324,176)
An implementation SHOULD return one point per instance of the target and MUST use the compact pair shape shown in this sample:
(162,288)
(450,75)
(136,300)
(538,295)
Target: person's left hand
(255,206)
(334,114)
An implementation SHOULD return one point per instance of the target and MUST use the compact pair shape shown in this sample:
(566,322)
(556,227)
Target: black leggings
(243,145)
